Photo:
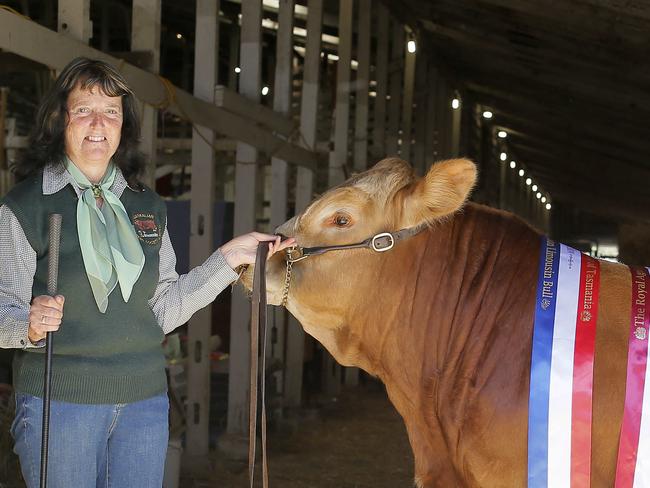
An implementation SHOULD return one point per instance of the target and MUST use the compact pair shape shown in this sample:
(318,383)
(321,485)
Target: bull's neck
(439,297)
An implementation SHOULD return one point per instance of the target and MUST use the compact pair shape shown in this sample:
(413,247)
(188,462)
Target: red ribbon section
(583,372)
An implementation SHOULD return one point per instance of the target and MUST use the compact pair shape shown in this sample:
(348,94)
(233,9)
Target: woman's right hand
(45,316)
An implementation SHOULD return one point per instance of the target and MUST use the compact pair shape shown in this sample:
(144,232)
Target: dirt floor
(357,441)
(354,441)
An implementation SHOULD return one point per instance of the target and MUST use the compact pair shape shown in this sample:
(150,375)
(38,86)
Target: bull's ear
(441,192)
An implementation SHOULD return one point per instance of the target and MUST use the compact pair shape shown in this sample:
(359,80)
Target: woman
(109,408)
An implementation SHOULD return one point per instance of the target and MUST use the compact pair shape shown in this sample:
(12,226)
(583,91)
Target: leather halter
(382,242)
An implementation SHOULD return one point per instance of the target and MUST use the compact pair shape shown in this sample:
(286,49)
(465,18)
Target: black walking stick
(52,274)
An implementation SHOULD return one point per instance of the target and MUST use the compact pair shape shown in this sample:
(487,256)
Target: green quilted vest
(114,357)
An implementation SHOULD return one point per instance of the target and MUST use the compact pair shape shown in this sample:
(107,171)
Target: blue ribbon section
(540,369)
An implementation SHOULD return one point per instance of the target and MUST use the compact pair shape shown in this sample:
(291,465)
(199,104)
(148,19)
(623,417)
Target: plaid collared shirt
(176,297)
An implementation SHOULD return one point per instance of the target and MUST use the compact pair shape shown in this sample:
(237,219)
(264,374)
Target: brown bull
(445,318)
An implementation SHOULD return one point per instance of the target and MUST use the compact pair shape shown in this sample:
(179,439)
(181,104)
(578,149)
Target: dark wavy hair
(47,139)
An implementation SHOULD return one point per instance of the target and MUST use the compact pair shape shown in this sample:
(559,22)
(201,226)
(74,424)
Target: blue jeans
(107,446)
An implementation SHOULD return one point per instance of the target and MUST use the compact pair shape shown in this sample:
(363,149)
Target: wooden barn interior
(251,108)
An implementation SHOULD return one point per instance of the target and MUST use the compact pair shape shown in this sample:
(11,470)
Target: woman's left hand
(243,249)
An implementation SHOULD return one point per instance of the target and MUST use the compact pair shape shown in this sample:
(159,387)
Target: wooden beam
(421,133)
(279,122)
(569,105)
(431,147)
(407,106)
(470,65)
(245,213)
(145,36)
(30,40)
(569,149)
(532,47)
(572,139)
(600,19)
(74,19)
(304,187)
(339,156)
(381,80)
(395,89)
(597,126)
(362,86)
(282,95)
(531,35)
(309,100)
(201,237)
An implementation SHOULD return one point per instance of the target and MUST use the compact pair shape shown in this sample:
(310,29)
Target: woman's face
(94,127)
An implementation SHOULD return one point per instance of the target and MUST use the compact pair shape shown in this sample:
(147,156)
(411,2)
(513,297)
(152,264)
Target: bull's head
(324,290)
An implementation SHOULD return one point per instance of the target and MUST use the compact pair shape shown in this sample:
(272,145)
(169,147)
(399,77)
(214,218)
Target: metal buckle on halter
(290,254)
(377,244)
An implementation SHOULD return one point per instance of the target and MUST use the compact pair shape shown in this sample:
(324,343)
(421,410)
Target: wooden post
(351,375)
(339,156)
(456,118)
(145,36)
(441,119)
(503,184)
(5,174)
(421,113)
(201,237)
(381,88)
(282,94)
(3,114)
(245,211)
(395,89)
(362,87)
(233,56)
(74,19)
(432,141)
(304,186)
(407,106)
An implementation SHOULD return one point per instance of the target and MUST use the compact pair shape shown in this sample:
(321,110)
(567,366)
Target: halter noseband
(382,242)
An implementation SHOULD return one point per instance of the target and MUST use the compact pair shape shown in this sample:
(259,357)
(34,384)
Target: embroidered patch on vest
(146,228)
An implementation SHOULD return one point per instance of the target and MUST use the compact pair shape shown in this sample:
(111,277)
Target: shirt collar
(55,178)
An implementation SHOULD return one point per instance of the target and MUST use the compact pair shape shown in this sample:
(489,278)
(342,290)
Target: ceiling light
(534,187)
(487,114)
(502,134)
(265,91)
(179,36)
(513,165)
(529,182)
(548,206)
(503,156)
(411,46)
(455,104)
(543,199)
(237,69)
(521,172)
(539,195)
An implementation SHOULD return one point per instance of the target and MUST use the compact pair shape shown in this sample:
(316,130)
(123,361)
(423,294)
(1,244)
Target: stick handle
(52,280)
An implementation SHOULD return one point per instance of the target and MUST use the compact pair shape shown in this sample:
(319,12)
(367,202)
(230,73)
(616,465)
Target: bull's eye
(342,220)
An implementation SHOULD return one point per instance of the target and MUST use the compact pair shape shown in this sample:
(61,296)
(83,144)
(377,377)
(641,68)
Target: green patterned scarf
(109,246)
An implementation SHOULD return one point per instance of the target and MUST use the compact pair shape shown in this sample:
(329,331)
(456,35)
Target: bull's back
(610,366)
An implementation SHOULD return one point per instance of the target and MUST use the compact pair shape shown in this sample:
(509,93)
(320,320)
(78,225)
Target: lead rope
(258,333)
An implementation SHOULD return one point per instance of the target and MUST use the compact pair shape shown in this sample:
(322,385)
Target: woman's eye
(83,110)
(342,220)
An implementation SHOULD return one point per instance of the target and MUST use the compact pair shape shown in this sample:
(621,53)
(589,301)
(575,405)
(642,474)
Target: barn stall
(251,108)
